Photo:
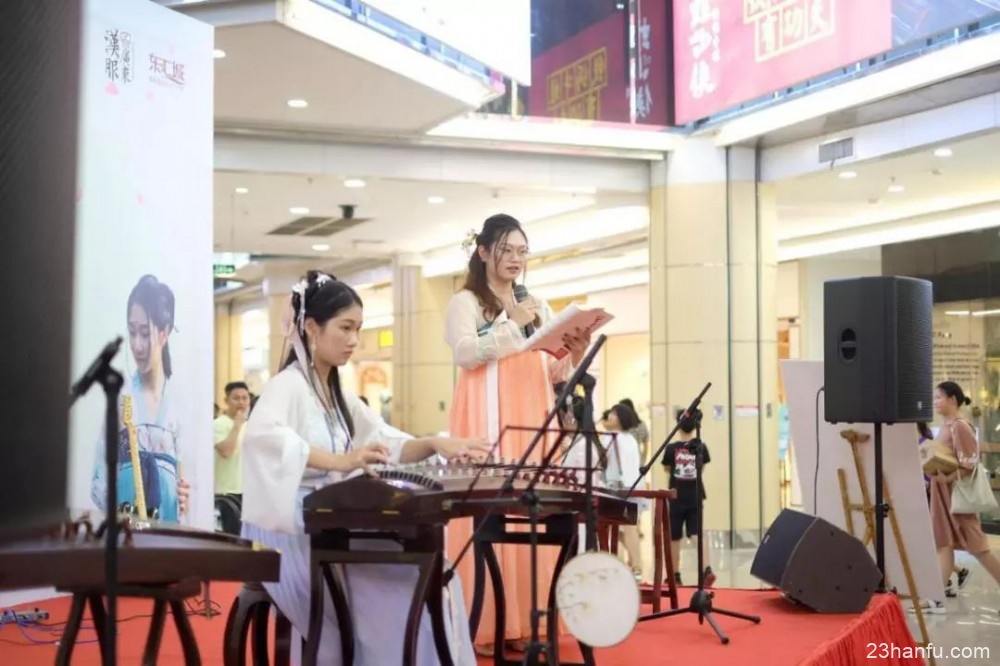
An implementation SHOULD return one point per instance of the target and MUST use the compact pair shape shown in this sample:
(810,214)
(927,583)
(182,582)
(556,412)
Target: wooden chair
(663,566)
(252,606)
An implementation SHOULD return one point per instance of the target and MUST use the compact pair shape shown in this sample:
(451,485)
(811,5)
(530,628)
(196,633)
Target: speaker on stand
(878,364)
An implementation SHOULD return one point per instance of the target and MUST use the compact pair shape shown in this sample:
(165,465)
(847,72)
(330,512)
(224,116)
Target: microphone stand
(644,470)
(590,441)
(701,599)
(537,647)
(111,381)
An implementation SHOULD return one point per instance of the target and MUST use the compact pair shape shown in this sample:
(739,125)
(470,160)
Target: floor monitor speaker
(816,564)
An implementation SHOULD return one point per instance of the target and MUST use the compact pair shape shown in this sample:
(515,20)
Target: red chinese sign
(584,76)
(652,67)
(730,51)
(587,76)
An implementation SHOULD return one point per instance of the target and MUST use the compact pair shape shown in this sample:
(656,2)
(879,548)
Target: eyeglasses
(508,252)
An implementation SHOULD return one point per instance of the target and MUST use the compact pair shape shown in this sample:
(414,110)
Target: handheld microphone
(520,294)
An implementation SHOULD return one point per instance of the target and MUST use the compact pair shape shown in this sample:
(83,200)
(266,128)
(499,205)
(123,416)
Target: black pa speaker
(816,563)
(39,80)
(878,341)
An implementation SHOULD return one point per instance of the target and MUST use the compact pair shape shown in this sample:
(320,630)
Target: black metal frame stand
(881,511)
(111,381)
(536,647)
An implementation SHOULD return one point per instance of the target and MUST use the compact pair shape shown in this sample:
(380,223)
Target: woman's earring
(312,348)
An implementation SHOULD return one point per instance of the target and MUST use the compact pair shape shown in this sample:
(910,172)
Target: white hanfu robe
(287,420)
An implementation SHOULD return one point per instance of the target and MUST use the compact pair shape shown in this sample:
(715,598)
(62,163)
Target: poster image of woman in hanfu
(150,398)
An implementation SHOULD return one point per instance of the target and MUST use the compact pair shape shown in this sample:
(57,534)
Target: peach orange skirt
(514,392)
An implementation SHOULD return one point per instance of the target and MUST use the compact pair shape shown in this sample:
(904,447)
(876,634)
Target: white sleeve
(472,347)
(631,463)
(370,427)
(274,456)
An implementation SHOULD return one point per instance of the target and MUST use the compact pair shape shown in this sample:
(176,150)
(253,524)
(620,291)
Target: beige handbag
(972,493)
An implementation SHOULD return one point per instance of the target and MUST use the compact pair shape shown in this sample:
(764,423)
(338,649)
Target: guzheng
(434,493)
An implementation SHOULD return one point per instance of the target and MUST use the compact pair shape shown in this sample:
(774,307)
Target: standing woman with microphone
(498,386)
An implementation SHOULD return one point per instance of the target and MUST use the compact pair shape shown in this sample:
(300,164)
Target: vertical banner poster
(143,257)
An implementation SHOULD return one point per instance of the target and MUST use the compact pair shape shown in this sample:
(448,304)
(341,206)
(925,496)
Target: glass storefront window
(966,326)
(255,331)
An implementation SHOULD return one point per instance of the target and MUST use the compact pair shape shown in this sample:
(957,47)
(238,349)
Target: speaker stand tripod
(867,510)
(701,600)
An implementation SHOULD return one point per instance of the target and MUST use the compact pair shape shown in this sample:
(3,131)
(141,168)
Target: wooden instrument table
(164,564)
(412,508)
(663,564)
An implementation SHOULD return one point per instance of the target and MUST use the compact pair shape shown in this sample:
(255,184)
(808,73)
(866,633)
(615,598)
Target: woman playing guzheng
(307,431)
(500,387)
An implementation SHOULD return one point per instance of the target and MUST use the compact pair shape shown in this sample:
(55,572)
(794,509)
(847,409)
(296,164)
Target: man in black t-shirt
(679,460)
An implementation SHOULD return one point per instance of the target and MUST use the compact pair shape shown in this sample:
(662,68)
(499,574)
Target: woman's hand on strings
(462,449)
(369,454)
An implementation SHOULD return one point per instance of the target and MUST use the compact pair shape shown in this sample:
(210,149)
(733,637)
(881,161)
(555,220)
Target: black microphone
(521,293)
(100,363)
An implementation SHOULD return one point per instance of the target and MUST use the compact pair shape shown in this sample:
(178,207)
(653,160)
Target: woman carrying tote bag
(957,498)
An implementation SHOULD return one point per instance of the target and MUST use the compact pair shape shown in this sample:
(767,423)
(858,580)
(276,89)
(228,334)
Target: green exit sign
(223,270)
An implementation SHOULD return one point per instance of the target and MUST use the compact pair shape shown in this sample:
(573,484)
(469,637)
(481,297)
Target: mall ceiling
(929,180)
(958,89)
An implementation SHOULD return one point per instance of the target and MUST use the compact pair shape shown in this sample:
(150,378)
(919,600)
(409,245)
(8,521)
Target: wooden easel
(867,509)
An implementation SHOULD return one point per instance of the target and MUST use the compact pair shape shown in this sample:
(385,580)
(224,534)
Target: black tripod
(111,381)
(701,600)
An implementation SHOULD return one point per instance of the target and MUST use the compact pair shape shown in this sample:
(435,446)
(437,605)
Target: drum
(598,599)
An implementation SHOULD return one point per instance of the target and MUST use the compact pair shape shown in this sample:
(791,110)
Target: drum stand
(701,599)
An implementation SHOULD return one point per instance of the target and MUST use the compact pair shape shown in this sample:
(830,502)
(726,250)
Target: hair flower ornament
(471,242)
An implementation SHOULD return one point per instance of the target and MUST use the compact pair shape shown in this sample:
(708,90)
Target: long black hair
(953,390)
(323,300)
(157,300)
(496,229)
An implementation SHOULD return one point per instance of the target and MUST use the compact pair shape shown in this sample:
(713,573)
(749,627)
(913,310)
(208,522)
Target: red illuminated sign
(730,51)
(587,76)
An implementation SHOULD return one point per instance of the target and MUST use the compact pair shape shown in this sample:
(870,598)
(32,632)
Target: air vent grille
(317,227)
(836,150)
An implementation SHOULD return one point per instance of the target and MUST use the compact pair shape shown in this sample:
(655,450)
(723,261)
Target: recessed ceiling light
(848,175)
(298,210)
(242,190)
(218,53)
(354,183)
(435,200)
(943,152)
(297,103)
(896,189)
(321,247)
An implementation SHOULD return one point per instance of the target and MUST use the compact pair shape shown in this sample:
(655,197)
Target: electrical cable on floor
(195,607)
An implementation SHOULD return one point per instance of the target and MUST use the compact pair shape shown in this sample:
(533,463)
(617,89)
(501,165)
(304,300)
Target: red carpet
(786,635)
